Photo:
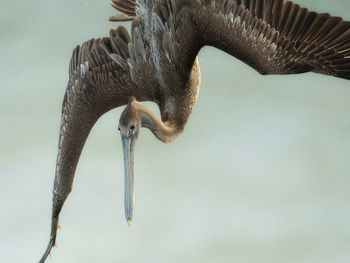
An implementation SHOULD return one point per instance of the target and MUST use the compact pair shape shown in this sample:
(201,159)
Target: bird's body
(158,63)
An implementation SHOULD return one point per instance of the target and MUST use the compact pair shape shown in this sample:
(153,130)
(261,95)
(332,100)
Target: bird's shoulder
(168,23)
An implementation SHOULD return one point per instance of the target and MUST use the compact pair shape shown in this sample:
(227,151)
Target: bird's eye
(118,128)
(132,127)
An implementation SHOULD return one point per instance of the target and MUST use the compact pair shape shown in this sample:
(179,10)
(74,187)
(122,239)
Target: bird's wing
(272,36)
(100,79)
(276,36)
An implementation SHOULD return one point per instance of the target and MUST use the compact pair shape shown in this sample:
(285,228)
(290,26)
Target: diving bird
(158,63)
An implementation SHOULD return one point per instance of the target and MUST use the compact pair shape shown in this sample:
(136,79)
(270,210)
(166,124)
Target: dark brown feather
(125,6)
(303,39)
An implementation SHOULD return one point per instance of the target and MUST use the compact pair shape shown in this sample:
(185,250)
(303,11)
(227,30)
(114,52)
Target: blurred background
(261,173)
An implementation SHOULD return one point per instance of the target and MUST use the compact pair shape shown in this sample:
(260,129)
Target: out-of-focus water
(261,173)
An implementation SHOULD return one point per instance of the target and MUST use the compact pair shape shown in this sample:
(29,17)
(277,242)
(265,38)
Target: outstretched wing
(100,79)
(272,36)
(276,36)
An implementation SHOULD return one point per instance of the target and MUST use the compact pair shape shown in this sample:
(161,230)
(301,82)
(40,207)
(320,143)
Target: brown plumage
(158,63)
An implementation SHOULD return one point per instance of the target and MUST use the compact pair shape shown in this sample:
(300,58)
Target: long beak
(129,196)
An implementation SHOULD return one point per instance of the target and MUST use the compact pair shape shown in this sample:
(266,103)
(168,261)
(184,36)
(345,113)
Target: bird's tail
(126,7)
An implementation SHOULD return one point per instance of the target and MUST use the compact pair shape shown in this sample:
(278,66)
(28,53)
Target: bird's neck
(166,131)
(175,107)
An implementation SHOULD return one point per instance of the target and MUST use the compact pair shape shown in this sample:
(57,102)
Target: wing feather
(99,80)
(295,39)
(125,6)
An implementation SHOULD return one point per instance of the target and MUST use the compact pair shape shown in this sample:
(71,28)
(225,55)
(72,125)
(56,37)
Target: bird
(158,62)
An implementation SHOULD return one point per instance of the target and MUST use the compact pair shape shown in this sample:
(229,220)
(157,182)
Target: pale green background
(261,173)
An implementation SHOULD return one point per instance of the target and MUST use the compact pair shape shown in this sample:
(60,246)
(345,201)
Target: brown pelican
(158,63)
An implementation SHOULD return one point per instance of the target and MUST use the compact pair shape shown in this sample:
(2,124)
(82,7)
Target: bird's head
(130,122)
(129,128)
(135,116)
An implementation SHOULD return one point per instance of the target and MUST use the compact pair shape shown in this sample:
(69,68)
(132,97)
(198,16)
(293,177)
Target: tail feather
(121,18)
(127,7)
